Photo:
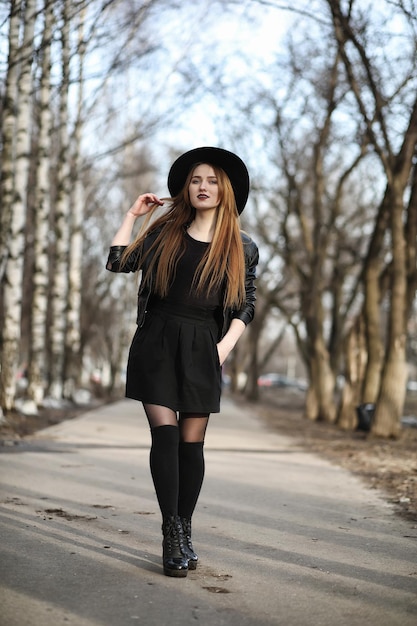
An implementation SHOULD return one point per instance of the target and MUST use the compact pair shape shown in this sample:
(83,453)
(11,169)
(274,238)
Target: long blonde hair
(223,263)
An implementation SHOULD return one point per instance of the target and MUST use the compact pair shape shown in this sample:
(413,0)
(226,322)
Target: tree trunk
(373,269)
(9,122)
(320,403)
(312,402)
(391,399)
(411,242)
(62,221)
(253,335)
(387,420)
(37,357)
(355,360)
(13,278)
(322,379)
(73,359)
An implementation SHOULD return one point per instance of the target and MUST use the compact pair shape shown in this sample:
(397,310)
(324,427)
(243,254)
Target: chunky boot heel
(188,549)
(173,558)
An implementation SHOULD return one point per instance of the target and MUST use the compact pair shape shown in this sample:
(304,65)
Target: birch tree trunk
(37,369)
(13,277)
(72,371)
(62,222)
(7,159)
(9,122)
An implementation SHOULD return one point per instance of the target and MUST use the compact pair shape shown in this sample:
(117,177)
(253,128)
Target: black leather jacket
(133,264)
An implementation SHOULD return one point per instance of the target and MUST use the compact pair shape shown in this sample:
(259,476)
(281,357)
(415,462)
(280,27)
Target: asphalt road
(284,537)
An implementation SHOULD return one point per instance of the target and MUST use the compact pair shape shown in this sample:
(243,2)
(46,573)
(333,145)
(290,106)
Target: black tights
(176,458)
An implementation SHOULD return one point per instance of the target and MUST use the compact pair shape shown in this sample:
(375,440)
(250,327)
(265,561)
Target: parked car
(279,380)
(274,380)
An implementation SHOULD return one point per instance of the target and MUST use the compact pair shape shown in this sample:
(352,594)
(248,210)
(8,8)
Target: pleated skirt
(173,360)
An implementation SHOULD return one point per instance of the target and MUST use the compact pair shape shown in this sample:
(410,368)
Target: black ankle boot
(174,560)
(188,546)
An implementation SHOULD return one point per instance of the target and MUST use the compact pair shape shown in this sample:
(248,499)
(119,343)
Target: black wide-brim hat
(232,164)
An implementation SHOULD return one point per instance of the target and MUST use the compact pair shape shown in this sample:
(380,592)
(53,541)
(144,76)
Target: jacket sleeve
(247,312)
(114,258)
(135,259)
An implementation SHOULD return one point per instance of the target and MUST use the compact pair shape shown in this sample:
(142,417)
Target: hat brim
(228,161)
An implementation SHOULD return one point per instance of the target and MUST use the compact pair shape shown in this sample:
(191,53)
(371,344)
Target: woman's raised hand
(143,204)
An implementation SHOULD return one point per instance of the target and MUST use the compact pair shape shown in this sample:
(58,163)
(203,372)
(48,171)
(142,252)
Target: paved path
(284,537)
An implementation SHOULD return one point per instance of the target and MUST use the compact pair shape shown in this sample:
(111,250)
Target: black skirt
(173,360)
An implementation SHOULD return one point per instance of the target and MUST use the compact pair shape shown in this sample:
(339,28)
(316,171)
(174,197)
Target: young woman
(196,296)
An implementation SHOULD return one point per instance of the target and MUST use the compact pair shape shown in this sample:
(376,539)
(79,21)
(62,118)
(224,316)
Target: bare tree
(337,261)
(304,226)
(385,381)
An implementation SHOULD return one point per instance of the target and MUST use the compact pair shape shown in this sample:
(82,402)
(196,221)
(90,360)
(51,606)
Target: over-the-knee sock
(163,460)
(191,475)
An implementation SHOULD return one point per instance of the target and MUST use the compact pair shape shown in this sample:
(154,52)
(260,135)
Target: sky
(240,41)
(216,46)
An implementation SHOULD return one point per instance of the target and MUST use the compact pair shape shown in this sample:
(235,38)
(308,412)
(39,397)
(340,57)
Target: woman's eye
(196,181)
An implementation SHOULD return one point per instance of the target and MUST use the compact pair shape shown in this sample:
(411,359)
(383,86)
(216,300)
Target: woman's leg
(191,473)
(191,461)
(163,458)
(164,466)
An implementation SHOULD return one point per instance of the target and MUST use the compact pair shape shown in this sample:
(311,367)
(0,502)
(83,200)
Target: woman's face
(203,188)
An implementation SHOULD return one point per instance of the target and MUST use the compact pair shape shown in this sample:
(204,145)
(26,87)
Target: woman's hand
(223,352)
(226,345)
(143,204)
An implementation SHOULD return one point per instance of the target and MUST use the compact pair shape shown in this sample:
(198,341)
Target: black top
(180,289)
